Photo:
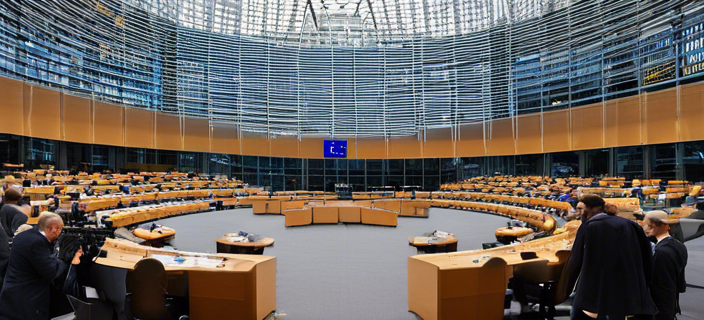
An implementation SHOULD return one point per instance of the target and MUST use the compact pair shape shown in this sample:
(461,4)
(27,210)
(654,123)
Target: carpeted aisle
(691,301)
(358,271)
(337,271)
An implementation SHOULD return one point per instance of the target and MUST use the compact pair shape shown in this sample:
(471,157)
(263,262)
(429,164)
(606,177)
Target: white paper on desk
(237,239)
(207,262)
(165,259)
(421,239)
(441,234)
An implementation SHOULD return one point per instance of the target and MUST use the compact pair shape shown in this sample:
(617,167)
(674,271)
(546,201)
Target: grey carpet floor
(336,271)
(358,271)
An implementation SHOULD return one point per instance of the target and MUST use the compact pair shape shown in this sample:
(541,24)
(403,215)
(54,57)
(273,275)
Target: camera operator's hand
(77,257)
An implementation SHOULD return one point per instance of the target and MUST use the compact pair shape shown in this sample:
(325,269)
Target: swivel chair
(93,310)
(550,278)
(690,227)
(146,287)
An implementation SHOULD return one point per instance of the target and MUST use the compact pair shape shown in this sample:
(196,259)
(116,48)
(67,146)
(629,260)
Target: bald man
(32,267)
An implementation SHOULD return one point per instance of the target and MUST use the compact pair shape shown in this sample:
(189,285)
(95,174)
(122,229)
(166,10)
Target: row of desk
(336,213)
(472,284)
(219,286)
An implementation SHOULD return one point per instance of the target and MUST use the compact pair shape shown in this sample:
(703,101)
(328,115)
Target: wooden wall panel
(556,131)
(26,102)
(438,143)
(351,148)
(371,148)
(311,148)
(168,132)
(108,124)
(471,142)
(499,138)
(139,128)
(285,146)
(44,114)
(660,120)
(255,144)
(77,119)
(529,134)
(409,147)
(11,106)
(623,122)
(588,127)
(692,112)
(196,134)
(651,118)
(225,138)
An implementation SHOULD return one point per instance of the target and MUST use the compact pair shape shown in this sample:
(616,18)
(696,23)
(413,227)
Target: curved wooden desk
(424,244)
(334,212)
(472,284)
(234,287)
(226,245)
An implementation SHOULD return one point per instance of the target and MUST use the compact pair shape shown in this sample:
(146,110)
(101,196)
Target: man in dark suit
(31,268)
(11,217)
(612,257)
(669,261)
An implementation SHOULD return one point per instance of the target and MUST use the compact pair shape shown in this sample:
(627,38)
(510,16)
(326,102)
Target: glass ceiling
(347,22)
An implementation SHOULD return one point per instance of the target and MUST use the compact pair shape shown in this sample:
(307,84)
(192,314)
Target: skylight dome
(348,22)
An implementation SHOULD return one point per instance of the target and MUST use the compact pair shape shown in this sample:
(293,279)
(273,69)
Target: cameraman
(31,269)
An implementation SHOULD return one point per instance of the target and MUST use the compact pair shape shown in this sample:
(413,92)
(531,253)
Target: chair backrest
(560,294)
(147,286)
(89,311)
(690,226)
(535,271)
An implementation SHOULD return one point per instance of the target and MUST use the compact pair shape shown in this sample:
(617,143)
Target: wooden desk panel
(244,288)
(472,284)
(325,215)
(299,217)
(349,214)
(391,205)
(379,217)
(266,206)
(273,207)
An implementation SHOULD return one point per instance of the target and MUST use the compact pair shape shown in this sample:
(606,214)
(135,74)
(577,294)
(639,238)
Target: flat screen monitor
(335,148)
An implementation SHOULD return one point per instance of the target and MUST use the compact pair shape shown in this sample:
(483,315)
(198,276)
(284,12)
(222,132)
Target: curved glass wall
(352,68)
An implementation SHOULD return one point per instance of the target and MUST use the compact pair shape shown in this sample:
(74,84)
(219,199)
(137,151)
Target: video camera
(91,239)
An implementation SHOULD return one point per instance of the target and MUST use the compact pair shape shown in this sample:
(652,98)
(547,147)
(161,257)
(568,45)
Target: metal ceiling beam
(315,20)
(369,3)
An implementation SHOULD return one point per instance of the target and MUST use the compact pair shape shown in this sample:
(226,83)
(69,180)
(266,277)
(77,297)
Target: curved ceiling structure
(356,68)
(347,22)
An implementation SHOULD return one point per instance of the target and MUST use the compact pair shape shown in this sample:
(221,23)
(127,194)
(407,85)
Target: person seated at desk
(612,258)
(669,261)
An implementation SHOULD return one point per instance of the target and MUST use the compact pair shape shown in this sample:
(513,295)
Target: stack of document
(237,239)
